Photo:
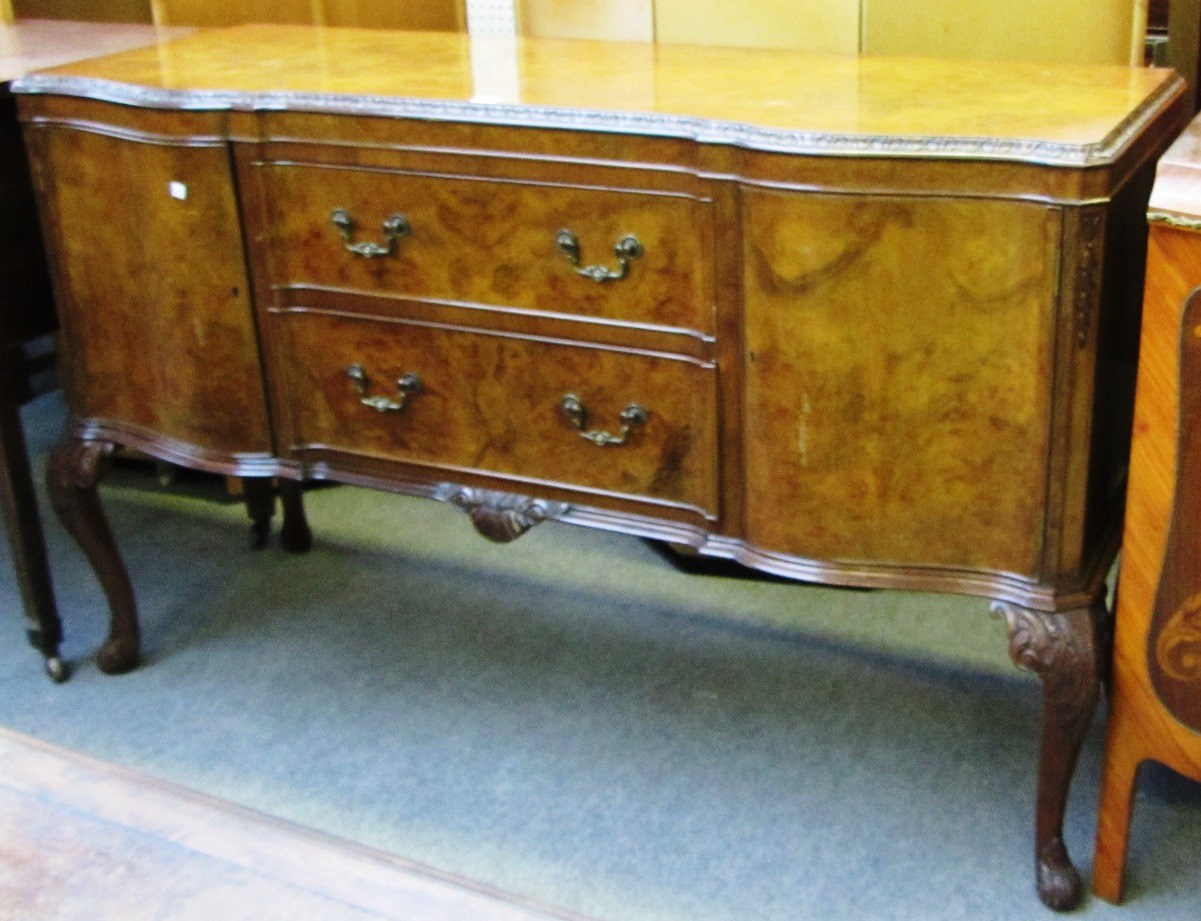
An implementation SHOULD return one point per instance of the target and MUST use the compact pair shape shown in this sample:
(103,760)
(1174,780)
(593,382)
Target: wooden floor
(80,839)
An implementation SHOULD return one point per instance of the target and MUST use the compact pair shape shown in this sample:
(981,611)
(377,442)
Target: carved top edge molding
(1178,221)
(1041,152)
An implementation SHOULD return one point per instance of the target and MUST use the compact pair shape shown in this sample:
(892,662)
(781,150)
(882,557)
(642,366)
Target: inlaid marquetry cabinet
(1155,688)
(865,322)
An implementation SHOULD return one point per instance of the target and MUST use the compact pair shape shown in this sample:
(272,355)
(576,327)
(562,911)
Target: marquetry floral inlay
(1178,646)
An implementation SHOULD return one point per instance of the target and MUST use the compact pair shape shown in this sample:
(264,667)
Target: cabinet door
(898,378)
(159,336)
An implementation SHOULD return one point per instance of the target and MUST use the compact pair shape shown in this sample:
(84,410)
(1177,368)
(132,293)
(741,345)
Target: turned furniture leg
(295,536)
(24,527)
(260,506)
(74,468)
(1061,648)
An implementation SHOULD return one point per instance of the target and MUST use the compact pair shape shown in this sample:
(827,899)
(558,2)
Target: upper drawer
(492,241)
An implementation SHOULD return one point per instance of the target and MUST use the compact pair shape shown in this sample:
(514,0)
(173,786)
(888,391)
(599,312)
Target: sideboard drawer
(491,241)
(494,403)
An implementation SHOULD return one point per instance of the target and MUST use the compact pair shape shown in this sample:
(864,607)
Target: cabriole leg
(1061,648)
(74,468)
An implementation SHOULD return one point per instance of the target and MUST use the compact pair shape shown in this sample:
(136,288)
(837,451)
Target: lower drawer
(495,403)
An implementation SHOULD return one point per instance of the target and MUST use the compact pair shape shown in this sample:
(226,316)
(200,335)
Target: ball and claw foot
(1058,882)
(116,657)
(57,670)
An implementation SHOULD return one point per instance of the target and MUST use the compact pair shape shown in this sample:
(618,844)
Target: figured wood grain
(898,355)
(489,241)
(1140,726)
(1174,638)
(1085,113)
(154,299)
(27,306)
(492,402)
(919,273)
(695,171)
(34,44)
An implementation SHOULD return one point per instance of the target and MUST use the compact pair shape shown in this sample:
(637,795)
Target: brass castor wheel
(57,670)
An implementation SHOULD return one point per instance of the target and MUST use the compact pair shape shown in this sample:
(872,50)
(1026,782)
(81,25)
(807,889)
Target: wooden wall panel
(87,10)
(616,20)
(438,15)
(1083,31)
(446,15)
(233,12)
(806,25)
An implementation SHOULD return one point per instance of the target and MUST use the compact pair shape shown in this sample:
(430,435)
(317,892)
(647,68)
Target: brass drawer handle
(407,386)
(395,227)
(631,417)
(627,248)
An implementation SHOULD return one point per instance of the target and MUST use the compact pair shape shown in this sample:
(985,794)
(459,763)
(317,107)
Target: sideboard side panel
(899,355)
(1118,323)
(152,287)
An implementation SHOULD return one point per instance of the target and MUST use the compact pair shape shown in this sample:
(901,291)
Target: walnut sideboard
(858,321)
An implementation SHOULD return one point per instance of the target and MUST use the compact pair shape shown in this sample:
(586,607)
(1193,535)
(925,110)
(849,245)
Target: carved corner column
(1062,649)
(73,471)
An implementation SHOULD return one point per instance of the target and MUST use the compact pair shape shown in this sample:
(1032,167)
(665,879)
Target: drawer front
(493,242)
(493,403)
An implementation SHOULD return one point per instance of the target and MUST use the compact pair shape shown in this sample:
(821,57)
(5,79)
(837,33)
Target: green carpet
(570,718)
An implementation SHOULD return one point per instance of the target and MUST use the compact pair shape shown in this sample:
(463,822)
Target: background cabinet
(1155,704)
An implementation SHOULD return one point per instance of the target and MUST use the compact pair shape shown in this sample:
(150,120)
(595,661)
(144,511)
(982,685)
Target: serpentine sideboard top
(1070,115)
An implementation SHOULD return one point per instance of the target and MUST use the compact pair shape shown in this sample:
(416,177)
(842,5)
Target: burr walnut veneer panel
(176,354)
(491,402)
(864,322)
(872,385)
(487,240)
